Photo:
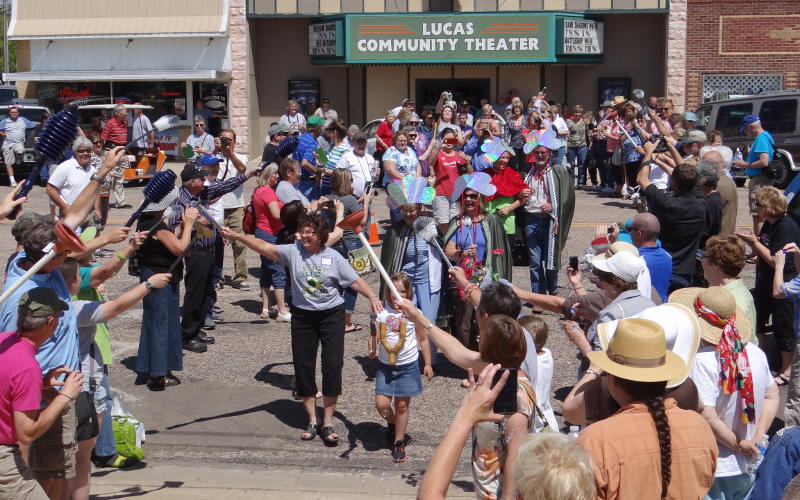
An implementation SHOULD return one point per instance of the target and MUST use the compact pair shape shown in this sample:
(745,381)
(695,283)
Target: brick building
(736,47)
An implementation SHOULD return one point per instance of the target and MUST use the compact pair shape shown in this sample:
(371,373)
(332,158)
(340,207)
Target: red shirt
(20,382)
(262,196)
(508,183)
(386,133)
(446,172)
(115,131)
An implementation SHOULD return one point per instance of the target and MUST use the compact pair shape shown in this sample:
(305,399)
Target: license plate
(28,157)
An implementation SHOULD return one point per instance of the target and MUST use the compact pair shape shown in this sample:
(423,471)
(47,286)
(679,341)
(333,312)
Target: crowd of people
(674,396)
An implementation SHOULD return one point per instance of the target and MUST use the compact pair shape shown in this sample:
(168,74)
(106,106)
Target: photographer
(232,165)
(448,165)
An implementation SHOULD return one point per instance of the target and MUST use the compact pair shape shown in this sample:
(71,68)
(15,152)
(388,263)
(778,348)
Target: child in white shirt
(544,370)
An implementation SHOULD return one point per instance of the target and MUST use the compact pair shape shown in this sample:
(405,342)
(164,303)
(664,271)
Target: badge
(326,261)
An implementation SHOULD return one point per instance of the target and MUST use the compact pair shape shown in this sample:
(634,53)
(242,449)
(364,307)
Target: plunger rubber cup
(353,223)
(66,241)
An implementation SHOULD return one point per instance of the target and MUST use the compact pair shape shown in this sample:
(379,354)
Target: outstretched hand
(479,401)
(9,203)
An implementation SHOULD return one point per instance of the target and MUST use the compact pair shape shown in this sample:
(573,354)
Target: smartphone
(506,402)
(610,230)
(368,188)
(108,145)
(573,262)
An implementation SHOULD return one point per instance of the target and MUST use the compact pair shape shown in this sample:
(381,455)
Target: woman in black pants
(318,275)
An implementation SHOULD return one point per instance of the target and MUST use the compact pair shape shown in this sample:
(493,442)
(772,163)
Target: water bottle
(574,430)
(755,460)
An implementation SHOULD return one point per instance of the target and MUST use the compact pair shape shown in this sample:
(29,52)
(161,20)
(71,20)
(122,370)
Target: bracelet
(121,256)
(66,396)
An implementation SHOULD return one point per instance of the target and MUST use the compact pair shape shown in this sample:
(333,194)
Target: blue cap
(207,160)
(690,117)
(747,120)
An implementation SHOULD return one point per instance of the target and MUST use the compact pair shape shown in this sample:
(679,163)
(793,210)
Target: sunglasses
(83,150)
(665,109)
(199,125)
(473,196)
(97,142)
(414,136)
(413,123)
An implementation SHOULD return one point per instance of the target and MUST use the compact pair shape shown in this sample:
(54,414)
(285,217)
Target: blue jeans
(106,444)
(537,234)
(580,154)
(350,295)
(731,488)
(780,465)
(272,273)
(160,347)
(309,189)
(557,156)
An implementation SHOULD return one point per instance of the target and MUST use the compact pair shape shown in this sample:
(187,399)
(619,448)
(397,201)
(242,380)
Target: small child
(544,369)
(398,374)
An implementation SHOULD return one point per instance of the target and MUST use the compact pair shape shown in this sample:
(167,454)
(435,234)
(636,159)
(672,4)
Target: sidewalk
(198,482)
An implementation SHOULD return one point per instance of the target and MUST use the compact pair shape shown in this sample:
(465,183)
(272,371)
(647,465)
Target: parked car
(369,130)
(34,114)
(8,94)
(779,116)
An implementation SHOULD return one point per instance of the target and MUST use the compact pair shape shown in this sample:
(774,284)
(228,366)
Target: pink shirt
(262,196)
(20,382)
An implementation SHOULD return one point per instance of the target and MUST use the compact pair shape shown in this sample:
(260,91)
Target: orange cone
(373,230)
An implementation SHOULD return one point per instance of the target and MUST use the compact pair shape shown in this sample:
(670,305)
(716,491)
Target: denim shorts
(400,381)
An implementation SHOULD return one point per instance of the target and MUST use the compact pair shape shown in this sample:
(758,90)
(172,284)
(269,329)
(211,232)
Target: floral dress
(406,160)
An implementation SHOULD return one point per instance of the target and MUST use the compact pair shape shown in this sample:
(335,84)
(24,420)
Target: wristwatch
(96,177)
(148,285)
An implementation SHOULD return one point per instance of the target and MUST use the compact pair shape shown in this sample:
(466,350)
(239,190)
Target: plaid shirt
(791,289)
(115,131)
(209,193)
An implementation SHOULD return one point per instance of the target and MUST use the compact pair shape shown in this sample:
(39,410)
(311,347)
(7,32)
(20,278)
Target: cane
(353,223)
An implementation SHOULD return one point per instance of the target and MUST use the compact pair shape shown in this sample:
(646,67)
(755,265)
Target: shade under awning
(51,19)
(115,76)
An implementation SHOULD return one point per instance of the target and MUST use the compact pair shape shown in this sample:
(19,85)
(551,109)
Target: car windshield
(703,117)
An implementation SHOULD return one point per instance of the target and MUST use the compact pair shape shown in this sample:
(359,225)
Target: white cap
(623,265)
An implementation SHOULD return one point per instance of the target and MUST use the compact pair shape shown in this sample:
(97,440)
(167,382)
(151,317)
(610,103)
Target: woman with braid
(650,448)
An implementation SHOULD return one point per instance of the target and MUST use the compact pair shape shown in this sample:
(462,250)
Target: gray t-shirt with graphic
(317,278)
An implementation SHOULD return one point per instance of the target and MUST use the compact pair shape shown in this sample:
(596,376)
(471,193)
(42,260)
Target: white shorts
(10,153)
(444,209)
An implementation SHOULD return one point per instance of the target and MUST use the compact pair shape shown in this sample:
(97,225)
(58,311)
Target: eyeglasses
(414,136)
(199,125)
(83,150)
(473,196)
(308,232)
(413,123)
(97,143)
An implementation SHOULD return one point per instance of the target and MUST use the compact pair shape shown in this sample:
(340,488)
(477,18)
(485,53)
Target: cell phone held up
(506,402)
(573,262)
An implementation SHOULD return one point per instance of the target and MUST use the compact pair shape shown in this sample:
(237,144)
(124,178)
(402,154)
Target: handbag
(249,217)
(361,261)
(86,417)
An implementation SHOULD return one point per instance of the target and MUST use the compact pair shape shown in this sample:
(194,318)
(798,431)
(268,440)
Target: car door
(779,118)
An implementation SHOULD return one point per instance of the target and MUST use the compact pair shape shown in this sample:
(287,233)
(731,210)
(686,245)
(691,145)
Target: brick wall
(238,99)
(741,36)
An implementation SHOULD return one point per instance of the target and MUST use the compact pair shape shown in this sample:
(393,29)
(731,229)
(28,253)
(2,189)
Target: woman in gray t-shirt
(318,276)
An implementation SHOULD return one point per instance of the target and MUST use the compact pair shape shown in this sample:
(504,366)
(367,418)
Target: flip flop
(325,433)
(355,328)
(311,430)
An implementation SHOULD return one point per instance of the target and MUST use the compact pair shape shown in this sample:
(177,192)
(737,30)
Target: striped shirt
(115,131)
(209,194)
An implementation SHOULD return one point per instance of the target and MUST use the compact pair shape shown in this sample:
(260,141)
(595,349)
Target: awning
(115,76)
(52,19)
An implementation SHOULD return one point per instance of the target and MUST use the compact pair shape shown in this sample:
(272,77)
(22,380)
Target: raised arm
(114,308)
(259,246)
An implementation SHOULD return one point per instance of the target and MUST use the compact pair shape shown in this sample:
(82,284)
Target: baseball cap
(694,136)
(690,117)
(315,121)
(278,128)
(207,160)
(24,223)
(42,302)
(747,120)
(190,172)
(359,137)
(607,104)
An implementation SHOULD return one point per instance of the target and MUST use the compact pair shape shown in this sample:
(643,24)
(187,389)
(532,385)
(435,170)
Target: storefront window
(167,98)
(54,95)
(214,98)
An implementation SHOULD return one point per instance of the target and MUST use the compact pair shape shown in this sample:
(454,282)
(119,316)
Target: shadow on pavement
(249,305)
(137,491)
(237,413)
(279,380)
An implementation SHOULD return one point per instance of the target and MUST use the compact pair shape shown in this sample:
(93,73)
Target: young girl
(398,372)
(544,369)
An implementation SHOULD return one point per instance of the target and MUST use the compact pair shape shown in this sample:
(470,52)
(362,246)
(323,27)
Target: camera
(662,146)
(225,140)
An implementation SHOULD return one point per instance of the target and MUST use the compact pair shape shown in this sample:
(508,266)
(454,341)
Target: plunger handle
(378,264)
(138,212)
(444,257)
(33,270)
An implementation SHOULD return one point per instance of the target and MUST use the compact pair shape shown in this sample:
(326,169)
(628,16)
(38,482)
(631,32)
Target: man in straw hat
(738,393)
(631,457)
(590,401)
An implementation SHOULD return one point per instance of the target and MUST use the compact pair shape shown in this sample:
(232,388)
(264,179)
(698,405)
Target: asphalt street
(233,425)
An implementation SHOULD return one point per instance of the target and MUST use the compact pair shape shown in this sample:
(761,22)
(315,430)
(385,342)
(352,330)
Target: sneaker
(243,285)
(13,184)
(399,452)
(209,324)
(283,318)
(220,285)
(265,314)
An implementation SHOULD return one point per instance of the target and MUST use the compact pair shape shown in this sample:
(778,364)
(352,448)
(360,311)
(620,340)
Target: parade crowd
(677,389)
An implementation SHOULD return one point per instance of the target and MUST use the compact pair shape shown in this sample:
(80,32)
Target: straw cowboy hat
(681,331)
(638,352)
(720,301)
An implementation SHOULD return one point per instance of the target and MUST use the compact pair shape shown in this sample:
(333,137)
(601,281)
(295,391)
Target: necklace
(392,351)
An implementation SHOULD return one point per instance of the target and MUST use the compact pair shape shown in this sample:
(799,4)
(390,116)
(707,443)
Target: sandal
(780,380)
(355,327)
(326,433)
(157,383)
(311,430)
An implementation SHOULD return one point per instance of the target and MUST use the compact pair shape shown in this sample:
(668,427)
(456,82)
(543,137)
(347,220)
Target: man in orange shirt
(650,448)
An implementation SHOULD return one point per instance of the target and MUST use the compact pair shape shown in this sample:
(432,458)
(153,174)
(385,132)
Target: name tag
(326,261)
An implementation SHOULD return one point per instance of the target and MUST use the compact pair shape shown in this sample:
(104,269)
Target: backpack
(249,218)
